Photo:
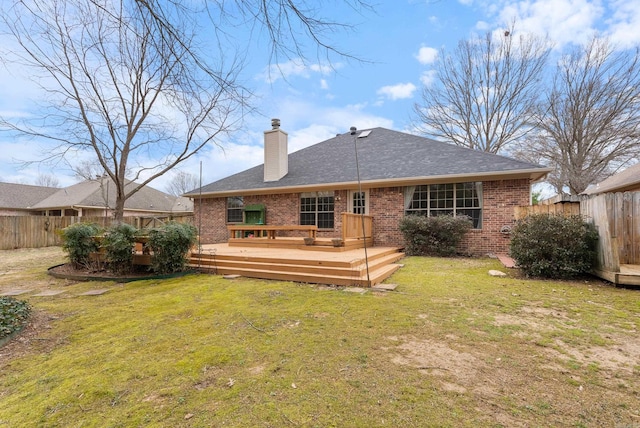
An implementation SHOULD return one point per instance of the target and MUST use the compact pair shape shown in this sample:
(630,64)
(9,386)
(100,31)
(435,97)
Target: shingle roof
(92,193)
(627,179)
(383,156)
(23,196)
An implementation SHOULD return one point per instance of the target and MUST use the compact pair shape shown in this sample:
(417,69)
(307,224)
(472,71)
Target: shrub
(170,245)
(13,315)
(553,246)
(433,236)
(118,244)
(78,240)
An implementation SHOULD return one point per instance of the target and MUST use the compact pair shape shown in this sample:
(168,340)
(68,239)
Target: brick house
(399,174)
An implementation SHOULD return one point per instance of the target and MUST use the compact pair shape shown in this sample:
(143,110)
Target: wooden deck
(289,259)
(627,275)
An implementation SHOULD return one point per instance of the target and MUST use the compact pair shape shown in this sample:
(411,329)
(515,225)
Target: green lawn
(452,346)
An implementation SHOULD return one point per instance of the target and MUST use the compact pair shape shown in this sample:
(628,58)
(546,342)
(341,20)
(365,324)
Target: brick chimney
(276,162)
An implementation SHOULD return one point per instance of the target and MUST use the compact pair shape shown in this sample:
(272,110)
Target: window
(446,199)
(235,205)
(316,208)
(359,202)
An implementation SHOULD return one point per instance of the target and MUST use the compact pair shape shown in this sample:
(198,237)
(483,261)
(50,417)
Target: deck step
(358,279)
(344,272)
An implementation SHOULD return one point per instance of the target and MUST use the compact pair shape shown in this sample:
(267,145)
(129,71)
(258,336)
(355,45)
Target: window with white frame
(235,206)
(359,202)
(454,199)
(316,208)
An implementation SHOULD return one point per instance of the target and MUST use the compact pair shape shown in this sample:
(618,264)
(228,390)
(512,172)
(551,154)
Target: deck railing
(352,226)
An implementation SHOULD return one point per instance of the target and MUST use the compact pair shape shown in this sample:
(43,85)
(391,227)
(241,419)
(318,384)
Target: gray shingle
(23,196)
(383,155)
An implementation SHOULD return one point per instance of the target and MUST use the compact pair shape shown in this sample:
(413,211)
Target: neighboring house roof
(23,196)
(100,192)
(385,158)
(629,179)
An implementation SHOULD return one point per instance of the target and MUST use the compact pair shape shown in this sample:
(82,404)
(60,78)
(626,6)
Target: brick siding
(386,205)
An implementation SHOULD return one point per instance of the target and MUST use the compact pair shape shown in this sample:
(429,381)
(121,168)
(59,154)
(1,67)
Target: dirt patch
(438,359)
(33,338)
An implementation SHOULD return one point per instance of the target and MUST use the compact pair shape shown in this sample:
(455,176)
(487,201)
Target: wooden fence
(563,208)
(42,231)
(617,217)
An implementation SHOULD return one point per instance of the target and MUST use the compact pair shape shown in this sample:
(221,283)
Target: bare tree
(181,183)
(47,180)
(485,93)
(131,82)
(590,120)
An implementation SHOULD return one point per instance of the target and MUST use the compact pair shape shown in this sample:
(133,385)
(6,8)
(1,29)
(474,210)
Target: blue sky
(400,40)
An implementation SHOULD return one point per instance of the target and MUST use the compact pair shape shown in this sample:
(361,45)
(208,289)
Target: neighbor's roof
(385,158)
(23,196)
(92,194)
(629,179)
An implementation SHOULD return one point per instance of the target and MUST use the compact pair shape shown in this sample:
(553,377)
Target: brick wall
(499,201)
(386,205)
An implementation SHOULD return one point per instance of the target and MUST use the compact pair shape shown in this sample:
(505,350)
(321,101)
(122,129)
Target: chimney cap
(275,123)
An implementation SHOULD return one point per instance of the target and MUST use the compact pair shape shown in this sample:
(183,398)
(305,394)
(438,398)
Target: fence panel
(564,208)
(42,231)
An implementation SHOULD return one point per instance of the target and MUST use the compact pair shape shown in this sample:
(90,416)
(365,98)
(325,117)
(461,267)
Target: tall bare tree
(181,183)
(484,94)
(47,180)
(590,120)
(131,81)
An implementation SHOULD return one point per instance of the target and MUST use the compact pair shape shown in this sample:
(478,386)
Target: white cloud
(427,55)
(625,23)
(324,84)
(564,21)
(428,77)
(296,68)
(399,91)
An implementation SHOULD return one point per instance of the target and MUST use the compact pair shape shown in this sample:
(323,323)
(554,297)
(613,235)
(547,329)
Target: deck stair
(344,268)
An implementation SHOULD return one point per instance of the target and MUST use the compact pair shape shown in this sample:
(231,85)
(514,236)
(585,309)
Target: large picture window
(316,208)
(454,199)
(235,205)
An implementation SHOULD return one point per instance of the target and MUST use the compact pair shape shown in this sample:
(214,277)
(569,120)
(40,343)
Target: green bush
(433,236)
(118,244)
(13,315)
(78,241)
(170,245)
(553,246)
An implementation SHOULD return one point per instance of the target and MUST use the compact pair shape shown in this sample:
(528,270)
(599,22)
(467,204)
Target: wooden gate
(617,217)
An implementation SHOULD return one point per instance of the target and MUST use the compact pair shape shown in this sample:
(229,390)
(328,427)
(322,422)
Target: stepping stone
(231,276)
(384,287)
(507,261)
(15,292)
(94,292)
(355,290)
(497,273)
(47,293)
